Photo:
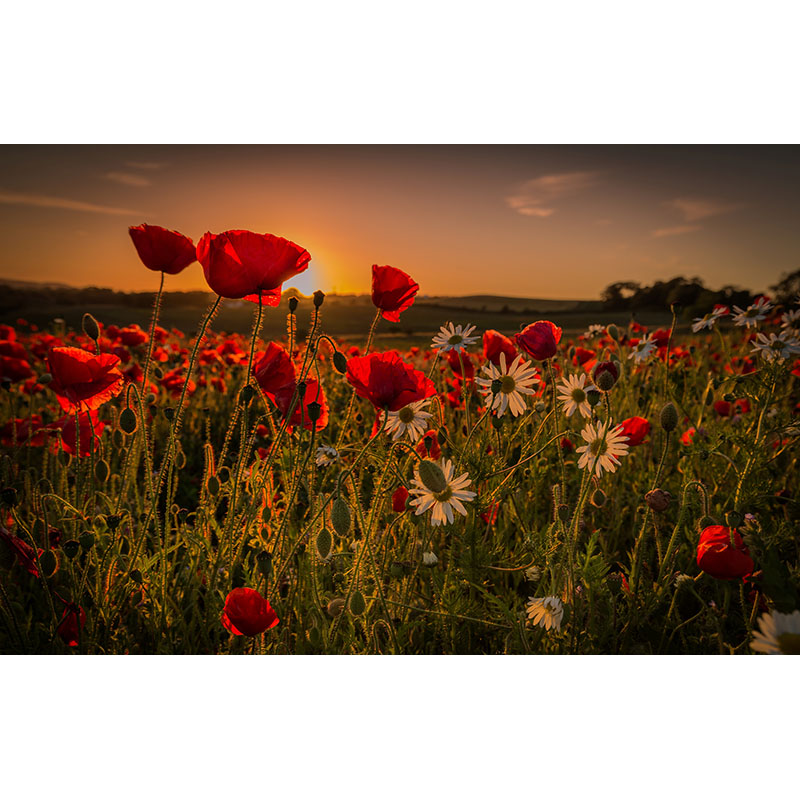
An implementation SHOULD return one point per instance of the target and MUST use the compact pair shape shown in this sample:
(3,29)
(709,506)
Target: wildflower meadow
(622,491)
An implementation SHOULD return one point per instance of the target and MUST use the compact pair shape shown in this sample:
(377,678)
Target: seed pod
(101,471)
(339,362)
(340,516)
(669,417)
(169,412)
(71,548)
(314,411)
(324,544)
(150,399)
(264,562)
(606,374)
(292,304)
(613,331)
(91,327)
(593,397)
(431,475)
(658,500)
(212,484)
(44,378)
(86,540)
(563,512)
(247,394)
(357,604)
(9,496)
(319,298)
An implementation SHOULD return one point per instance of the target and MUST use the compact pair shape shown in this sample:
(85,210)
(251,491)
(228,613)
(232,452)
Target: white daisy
(710,319)
(753,314)
(514,382)
(326,455)
(603,448)
(643,349)
(546,612)
(446,500)
(791,319)
(573,394)
(430,559)
(594,330)
(779,634)
(411,419)
(777,348)
(454,337)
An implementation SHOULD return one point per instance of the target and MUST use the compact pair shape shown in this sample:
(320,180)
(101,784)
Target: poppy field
(623,491)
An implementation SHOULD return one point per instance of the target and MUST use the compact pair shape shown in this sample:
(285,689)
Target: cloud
(45,201)
(697,208)
(676,231)
(149,165)
(535,198)
(127,179)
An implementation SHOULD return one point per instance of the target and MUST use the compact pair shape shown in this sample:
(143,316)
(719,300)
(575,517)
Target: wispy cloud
(149,165)
(127,179)
(536,197)
(676,231)
(697,208)
(66,203)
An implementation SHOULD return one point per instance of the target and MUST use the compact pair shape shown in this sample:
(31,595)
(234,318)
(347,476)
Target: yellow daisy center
(406,415)
(443,496)
(508,384)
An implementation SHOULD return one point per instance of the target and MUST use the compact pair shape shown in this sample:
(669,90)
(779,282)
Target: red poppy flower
(583,357)
(428,446)
(274,371)
(387,381)
(722,558)
(635,428)
(687,437)
(490,515)
(22,550)
(163,250)
(81,380)
(246,264)
(468,368)
(173,382)
(22,431)
(300,415)
(247,613)
(14,369)
(393,291)
(399,499)
(90,429)
(68,627)
(539,340)
(494,343)
(133,336)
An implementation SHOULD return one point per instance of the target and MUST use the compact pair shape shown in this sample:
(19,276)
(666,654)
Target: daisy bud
(127,420)
(91,327)
(540,407)
(319,298)
(606,374)
(432,476)
(340,362)
(599,498)
(496,385)
(593,397)
(658,500)
(45,378)
(669,417)
(292,304)
(340,516)
(613,331)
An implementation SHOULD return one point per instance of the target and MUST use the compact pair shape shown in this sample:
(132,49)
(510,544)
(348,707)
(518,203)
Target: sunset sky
(528,220)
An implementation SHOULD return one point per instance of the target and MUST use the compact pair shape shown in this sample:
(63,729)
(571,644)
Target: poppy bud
(357,604)
(264,562)
(340,362)
(336,606)
(49,563)
(440,437)
(563,512)
(301,389)
(101,471)
(247,394)
(213,485)
(150,399)
(539,407)
(127,420)
(136,576)
(45,378)
(340,516)
(315,637)
(669,417)
(169,412)
(599,498)
(734,519)
(292,305)
(71,548)
(497,422)
(324,544)
(613,331)
(91,327)
(658,499)
(9,496)
(86,540)
(319,298)
(606,374)
(593,397)
(431,475)
(158,373)
(314,411)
